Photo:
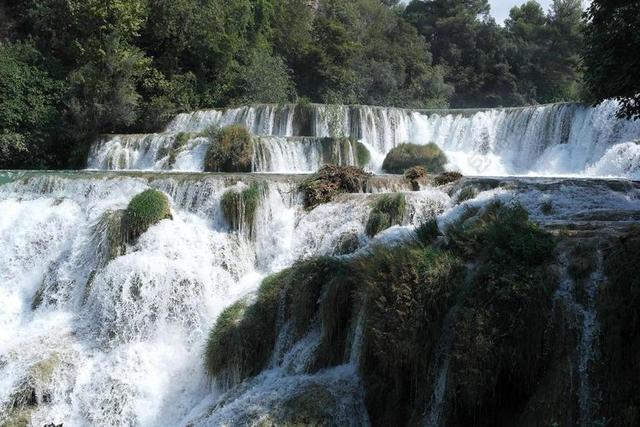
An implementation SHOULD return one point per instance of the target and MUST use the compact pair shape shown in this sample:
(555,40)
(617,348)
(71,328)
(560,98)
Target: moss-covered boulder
(347,243)
(406,156)
(144,210)
(387,211)
(330,181)
(413,175)
(231,150)
(171,151)
(239,208)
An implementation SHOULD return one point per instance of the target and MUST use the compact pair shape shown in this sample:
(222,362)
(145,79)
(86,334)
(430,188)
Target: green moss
(337,150)
(619,313)
(388,211)
(405,156)
(428,232)
(467,193)
(144,210)
(407,292)
(239,208)
(242,340)
(347,243)
(363,155)
(330,181)
(231,150)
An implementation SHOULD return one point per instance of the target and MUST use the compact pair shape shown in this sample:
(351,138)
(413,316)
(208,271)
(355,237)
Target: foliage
(619,311)
(387,211)
(230,150)
(414,174)
(331,180)
(29,100)
(239,208)
(128,66)
(144,210)
(610,34)
(406,156)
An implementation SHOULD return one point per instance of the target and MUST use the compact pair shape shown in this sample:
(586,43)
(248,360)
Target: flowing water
(93,337)
(546,140)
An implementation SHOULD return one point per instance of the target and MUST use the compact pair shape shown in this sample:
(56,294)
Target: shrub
(239,208)
(144,210)
(427,232)
(388,211)
(331,180)
(447,177)
(231,150)
(414,175)
(242,340)
(347,243)
(405,156)
(467,193)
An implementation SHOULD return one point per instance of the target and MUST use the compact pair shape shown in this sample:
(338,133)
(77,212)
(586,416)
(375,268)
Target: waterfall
(546,140)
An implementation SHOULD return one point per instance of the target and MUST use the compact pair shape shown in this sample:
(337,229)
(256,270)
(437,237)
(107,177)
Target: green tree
(612,41)
(29,102)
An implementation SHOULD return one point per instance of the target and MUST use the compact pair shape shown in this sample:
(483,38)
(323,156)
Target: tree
(612,41)
(29,102)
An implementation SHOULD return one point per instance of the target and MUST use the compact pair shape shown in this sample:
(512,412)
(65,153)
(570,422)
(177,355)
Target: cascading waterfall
(111,338)
(546,140)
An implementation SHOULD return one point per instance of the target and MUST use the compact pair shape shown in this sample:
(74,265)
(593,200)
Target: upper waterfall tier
(555,139)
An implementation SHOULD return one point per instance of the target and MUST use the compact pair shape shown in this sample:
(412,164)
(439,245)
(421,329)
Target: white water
(124,337)
(547,140)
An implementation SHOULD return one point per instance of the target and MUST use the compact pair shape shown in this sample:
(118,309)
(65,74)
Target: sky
(500,8)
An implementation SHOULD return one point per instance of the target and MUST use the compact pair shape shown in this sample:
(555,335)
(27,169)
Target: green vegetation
(619,310)
(330,181)
(337,150)
(239,208)
(387,211)
(231,150)
(144,210)
(347,243)
(467,193)
(414,175)
(406,156)
(488,282)
(610,34)
(70,70)
(241,343)
(447,178)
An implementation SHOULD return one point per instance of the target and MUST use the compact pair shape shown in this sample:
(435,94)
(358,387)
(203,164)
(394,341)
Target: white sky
(500,8)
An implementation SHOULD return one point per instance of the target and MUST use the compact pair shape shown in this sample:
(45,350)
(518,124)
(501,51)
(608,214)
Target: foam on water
(546,140)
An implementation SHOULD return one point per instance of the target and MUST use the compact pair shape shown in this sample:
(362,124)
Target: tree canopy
(92,66)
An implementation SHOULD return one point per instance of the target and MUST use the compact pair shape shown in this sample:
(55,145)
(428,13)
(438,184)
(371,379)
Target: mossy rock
(231,150)
(239,208)
(312,406)
(406,156)
(413,175)
(330,181)
(144,210)
(347,243)
(387,211)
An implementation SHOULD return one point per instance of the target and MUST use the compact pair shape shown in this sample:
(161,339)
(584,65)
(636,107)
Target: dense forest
(72,69)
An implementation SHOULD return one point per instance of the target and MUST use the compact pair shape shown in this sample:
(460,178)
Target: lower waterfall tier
(103,329)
